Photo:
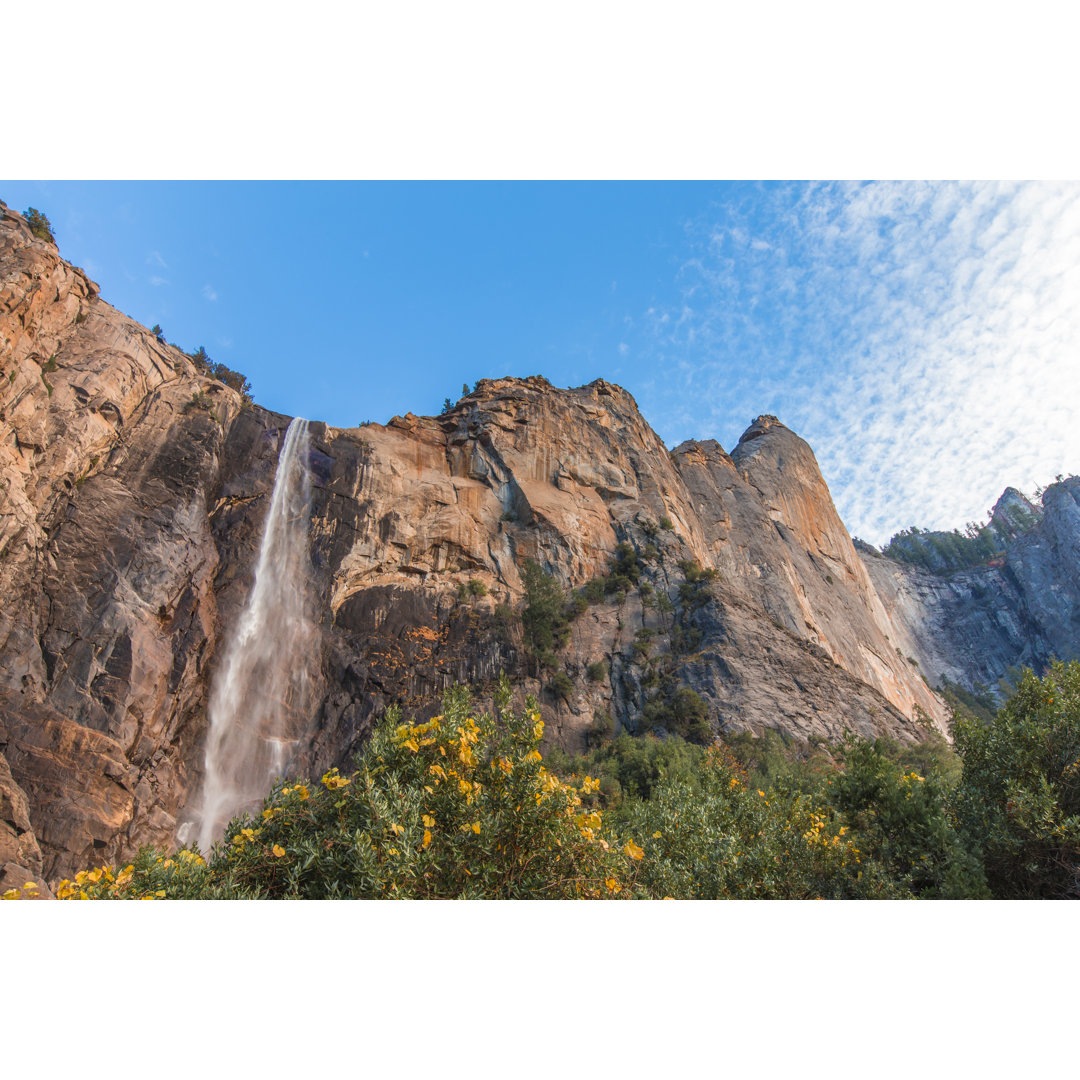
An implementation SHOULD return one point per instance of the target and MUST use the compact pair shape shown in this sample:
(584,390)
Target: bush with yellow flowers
(460,805)
(722,839)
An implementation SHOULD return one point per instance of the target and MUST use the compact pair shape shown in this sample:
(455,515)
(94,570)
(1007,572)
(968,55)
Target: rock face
(1022,609)
(133,495)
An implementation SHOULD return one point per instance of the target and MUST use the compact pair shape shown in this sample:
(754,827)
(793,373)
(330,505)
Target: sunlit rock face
(134,495)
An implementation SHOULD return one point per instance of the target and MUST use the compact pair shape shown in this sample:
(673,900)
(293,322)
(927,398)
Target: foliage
(774,758)
(633,766)
(598,671)
(977,703)
(158,332)
(903,824)
(544,619)
(724,839)
(465,806)
(945,551)
(561,685)
(684,713)
(40,225)
(667,524)
(1019,795)
(232,379)
(623,570)
(458,806)
(593,591)
(578,605)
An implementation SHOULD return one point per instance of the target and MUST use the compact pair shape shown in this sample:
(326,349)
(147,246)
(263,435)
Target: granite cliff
(132,493)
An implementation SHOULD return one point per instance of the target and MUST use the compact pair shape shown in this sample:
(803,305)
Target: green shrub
(1019,795)
(561,686)
(594,590)
(598,671)
(602,728)
(903,824)
(683,713)
(717,838)
(477,587)
(623,568)
(577,606)
(637,763)
(544,618)
(666,524)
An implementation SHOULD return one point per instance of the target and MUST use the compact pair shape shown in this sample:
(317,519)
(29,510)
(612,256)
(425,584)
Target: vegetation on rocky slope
(464,806)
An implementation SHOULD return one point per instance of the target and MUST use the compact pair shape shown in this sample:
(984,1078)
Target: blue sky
(921,337)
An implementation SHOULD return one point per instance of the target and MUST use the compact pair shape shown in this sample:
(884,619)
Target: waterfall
(261,696)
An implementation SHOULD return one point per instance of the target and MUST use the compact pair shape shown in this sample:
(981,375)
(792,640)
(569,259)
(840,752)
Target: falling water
(261,696)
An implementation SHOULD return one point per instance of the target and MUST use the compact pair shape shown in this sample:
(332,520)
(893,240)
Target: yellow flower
(11,894)
(278,850)
(633,850)
(538,728)
(427,838)
(476,827)
(657,835)
(429,821)
(612,884)
(396,829)
(589,785)
(333,781)
(533,755)
(761,793)
(413,745)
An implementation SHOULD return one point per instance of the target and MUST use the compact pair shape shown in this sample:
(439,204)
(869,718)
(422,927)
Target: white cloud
(155,259)
(623,348)
(922,337)
(209,293)
(156,281)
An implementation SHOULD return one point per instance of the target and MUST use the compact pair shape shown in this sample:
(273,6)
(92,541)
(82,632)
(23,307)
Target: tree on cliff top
(40,225)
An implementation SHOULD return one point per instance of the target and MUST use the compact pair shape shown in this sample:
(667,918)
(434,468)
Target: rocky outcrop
(107,556)
(972,626)
(134,493)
